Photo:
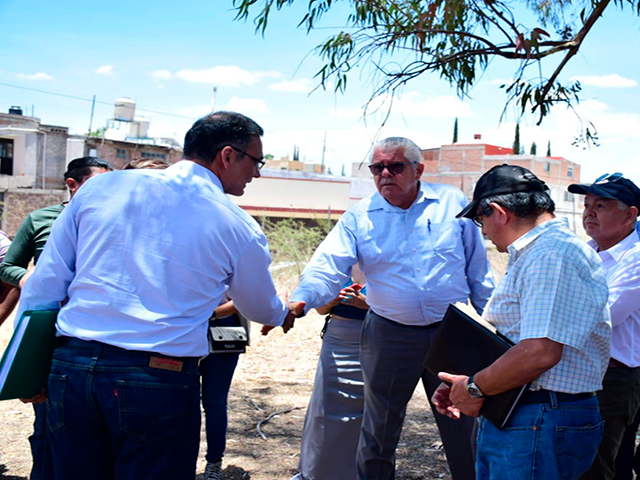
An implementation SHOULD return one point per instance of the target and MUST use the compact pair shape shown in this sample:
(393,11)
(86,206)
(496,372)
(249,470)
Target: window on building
(153,155)
(568,196)
(6,156)
(570,172)
(121,153)
(547,166)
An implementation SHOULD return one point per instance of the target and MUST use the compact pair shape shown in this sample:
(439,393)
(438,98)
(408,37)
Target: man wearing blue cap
(611,207)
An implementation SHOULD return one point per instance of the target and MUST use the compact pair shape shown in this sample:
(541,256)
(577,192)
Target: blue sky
(168,57)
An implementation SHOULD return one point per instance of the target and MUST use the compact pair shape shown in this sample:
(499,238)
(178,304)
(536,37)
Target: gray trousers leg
(391,355)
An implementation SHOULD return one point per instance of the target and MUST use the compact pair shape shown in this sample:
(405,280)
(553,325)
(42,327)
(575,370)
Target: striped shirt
(555,288)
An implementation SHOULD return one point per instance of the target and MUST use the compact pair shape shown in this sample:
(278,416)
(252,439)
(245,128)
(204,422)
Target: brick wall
(18,204)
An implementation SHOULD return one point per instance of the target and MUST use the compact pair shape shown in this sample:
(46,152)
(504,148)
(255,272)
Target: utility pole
(93,106)
(213,99)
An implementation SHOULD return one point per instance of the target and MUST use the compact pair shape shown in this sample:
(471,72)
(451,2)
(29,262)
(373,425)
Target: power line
(83,99)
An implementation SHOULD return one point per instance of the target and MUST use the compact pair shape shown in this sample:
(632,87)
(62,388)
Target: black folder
(464,345)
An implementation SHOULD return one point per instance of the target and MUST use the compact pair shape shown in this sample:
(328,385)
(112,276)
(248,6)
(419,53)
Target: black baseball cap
(613,186)
(501,180)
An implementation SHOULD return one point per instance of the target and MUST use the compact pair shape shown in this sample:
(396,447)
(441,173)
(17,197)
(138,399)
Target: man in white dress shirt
(416,258)
(611,207)
(144,257)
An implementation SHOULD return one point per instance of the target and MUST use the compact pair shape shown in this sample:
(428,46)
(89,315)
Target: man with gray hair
(416,258)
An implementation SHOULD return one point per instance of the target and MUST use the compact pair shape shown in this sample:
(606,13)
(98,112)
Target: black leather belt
(543,396)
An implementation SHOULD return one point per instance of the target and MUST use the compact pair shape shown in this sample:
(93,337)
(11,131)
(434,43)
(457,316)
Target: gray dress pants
(391,355)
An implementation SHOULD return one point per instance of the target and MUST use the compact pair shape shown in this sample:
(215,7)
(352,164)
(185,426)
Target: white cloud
(606,81)
(225,76)
(161,75)
(35,76)
(247,105)
(415,104)
(304,85)
(105,70)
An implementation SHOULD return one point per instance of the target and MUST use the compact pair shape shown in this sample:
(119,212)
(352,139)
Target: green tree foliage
(98,132)
(455,39)
(516,141)
(534,148)
(549,148)
(292,243)
(455,131)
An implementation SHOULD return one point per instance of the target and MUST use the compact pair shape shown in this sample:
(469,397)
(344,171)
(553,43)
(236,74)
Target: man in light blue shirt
(144,257)
(416,258)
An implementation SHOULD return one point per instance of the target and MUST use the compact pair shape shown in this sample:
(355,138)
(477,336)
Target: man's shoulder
(48,212)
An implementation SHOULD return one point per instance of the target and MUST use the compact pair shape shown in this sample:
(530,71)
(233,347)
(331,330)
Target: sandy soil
(276,374)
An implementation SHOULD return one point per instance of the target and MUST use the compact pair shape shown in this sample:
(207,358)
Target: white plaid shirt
(555,288)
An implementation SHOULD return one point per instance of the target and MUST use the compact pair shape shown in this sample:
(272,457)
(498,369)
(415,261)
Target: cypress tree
(534,148)
(549,148)
(455,131)
(516,140)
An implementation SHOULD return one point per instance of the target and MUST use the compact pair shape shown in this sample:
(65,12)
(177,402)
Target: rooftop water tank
(125,109)
(140,128)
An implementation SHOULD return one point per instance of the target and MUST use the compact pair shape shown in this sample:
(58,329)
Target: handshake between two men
(296,310)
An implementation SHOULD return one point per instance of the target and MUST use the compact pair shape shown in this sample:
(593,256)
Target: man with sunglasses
(144,257)
(611,206)
(416,258)
(552,303)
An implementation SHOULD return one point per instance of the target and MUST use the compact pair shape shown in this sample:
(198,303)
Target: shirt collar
(525,240)
(188,167)
(425,192)
(619,249)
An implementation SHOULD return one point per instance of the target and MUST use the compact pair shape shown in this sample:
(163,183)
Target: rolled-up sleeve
(330,265)
(251,286)
(16,260)
(49,283)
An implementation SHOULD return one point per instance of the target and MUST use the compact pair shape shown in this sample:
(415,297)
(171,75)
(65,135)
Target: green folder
(26,362)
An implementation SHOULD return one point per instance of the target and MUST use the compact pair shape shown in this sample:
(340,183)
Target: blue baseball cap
(613,186)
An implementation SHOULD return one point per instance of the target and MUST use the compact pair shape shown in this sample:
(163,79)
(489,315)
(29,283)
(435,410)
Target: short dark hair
(212,133)
(79,168)
(522,204)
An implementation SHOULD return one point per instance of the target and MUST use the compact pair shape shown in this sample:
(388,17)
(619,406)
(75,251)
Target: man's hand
(39,398)
(352,296)
(442,401)
(296,310)
(459,396)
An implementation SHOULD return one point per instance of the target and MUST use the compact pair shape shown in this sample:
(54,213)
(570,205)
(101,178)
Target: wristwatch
(473,389)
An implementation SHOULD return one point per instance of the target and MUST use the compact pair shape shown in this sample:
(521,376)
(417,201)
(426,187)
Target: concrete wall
(109,151)
(17,204)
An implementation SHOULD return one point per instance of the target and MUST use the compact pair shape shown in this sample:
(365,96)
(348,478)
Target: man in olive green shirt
(27,244)
(34,231)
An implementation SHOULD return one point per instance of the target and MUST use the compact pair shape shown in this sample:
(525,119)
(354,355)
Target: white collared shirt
(622,265)
(145,256)
(415,261)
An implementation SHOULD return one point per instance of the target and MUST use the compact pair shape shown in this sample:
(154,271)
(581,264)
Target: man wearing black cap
(552,304)
(611,207)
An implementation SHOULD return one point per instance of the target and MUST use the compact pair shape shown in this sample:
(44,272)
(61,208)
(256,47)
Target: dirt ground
(275,375)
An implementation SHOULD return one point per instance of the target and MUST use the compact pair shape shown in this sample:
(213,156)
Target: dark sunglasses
(609,177)
(259,161)
(394,168)
(477,220)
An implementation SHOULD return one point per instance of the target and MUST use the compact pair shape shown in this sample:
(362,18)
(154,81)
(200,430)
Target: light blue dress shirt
(145,256)
(415,261)
(555,288)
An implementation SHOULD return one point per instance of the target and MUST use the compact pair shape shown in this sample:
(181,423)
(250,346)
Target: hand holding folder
(26,362)
(465,344)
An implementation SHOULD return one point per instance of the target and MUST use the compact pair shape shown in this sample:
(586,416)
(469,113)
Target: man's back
(152,291)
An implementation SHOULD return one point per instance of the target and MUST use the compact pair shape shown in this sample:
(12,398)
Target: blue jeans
(546,441)
(217,373)
(118,414)
(41,469)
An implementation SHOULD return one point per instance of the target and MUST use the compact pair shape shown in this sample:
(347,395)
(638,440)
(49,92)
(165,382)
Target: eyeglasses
(394,168)
(477,220)
(609,177)
(259,161)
